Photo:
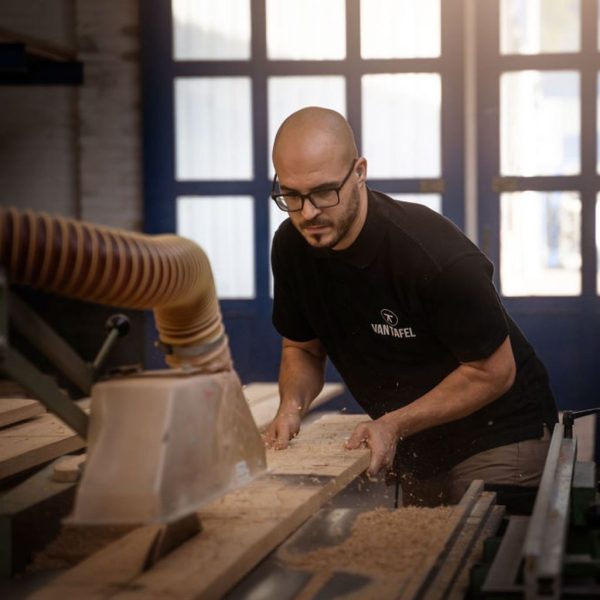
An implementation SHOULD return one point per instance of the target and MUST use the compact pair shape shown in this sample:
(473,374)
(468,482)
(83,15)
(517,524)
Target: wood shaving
(74,544)
(383,542)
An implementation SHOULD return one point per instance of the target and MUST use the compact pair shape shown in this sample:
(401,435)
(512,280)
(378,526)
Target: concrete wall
(76,150)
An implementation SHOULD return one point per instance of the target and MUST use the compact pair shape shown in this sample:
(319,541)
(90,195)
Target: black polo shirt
(400,309)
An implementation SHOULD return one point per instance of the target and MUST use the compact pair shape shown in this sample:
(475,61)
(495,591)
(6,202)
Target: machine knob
(120,323)
(117,327)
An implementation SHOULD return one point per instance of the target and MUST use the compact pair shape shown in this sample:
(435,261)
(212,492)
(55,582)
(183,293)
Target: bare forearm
(464,391)
(301,378)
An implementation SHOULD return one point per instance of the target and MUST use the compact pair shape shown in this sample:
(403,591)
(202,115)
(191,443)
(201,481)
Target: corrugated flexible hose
(166,273)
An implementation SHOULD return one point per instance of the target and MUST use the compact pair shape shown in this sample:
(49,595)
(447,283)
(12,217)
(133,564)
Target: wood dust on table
(383,544)
(74,544)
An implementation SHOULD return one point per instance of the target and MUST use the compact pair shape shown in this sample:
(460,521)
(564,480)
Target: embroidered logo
(389,326)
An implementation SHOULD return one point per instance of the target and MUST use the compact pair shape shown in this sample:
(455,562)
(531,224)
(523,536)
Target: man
(404,305)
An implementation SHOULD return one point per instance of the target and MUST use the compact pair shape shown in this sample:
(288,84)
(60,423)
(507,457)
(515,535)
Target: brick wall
(70,150)
(38,162)
(110,113)
(76,150)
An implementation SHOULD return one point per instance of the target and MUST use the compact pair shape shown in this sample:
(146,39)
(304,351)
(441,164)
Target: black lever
(569,417)
(118,326)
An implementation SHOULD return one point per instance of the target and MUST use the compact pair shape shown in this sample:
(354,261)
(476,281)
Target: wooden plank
(263,399)
(13,410)
(425,572)
(30,515)
(461,548)
(36,442)
(490,527)
(29,444)
(239,529)
(69,468)
(502,576)
(259,391)
(37,46)
(584,429)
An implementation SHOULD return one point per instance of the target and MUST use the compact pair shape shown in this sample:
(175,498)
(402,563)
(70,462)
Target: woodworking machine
(160,443)
(551,553)
(554,552)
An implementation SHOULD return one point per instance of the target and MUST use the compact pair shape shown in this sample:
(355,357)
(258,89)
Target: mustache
(315,223)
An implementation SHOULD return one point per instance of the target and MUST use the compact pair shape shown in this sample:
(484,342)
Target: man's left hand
(381,438)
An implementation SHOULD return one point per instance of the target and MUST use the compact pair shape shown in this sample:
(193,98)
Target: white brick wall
(76,150)
(110,113)
(38,163)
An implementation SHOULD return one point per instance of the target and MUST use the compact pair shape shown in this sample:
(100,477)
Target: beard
(339,226)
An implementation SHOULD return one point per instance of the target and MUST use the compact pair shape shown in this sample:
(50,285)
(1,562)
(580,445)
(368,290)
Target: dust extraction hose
(166,273)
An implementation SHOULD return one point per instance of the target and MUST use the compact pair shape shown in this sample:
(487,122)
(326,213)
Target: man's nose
(308,209)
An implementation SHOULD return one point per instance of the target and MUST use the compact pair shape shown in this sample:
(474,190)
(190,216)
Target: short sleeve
(464,310)
(289,315)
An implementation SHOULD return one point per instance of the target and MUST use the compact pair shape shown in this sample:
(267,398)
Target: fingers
(279,433)
(283,437)
(276,437)
(359,437)
(377,462)
(375,438)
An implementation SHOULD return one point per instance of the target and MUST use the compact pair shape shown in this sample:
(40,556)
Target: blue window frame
(255,345)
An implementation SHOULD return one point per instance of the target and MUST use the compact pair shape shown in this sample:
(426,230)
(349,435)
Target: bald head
(314,134)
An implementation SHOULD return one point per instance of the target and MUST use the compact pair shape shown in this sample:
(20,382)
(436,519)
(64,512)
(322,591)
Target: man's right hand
(282,429)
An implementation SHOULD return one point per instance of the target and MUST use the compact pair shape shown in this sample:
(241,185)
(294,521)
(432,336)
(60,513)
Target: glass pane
(538,26)
(401,124)
(306,29)
(399,28)
(213,128)
(433,201)
(539,123)
(276,218)
(540,244)
(208,30)
(289,94)
(224,227)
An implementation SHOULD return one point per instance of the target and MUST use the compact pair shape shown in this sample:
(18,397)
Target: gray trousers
(521,464)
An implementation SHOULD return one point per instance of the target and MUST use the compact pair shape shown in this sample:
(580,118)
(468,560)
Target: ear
(361,170)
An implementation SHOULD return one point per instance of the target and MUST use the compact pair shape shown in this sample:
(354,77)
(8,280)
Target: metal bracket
(19,369)
(43,389)
(40,335)
(569,417)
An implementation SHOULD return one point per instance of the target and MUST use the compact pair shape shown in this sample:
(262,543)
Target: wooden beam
(45,438)
(263,398)
(463,545)
(30,515)
(36,442)
(37,46)
(239,529)
(13,410)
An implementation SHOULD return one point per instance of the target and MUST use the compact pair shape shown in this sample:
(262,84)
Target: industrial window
(244,66)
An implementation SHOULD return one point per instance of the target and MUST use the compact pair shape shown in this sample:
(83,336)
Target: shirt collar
(362,251)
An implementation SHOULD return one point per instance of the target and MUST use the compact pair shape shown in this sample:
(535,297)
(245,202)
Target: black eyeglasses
(319,198)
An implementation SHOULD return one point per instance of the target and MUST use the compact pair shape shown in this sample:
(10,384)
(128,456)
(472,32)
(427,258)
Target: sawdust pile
(74,544)
(383,542)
